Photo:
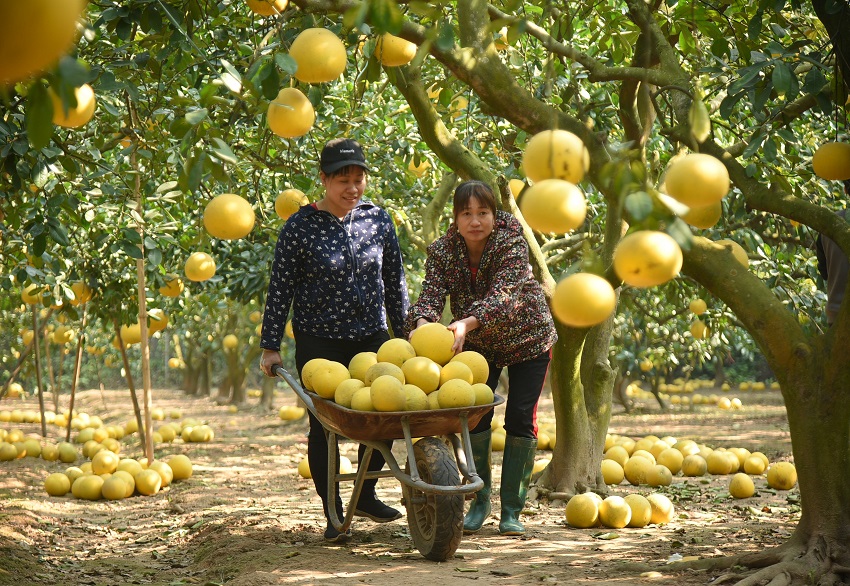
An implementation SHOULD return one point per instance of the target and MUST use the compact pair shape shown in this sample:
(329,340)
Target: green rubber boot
(479,510)
(517,464)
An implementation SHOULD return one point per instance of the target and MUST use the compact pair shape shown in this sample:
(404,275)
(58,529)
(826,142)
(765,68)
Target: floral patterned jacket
(516,324)
(342,278)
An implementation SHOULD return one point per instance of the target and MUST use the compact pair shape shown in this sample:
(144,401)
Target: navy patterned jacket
(342,277)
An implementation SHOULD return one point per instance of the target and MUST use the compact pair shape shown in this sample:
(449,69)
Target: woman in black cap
(338,264)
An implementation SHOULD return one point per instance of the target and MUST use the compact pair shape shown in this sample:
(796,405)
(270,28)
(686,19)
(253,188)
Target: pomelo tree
(749,84)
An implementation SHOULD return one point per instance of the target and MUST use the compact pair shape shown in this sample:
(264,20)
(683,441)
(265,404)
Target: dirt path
(246,518)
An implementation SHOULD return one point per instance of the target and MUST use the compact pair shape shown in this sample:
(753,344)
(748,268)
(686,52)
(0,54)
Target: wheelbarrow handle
(278,370)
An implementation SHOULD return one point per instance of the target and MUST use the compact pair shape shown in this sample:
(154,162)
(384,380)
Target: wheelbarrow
(434,482)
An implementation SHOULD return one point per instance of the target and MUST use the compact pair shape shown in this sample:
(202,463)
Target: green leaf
(755,25)
(39,117)
(286,63)
(223,152)
(781,79)
(231,78)
(57,232)
(130,249)
(638,205)
(195,117)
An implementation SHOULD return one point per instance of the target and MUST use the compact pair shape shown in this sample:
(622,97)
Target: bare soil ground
(246,518)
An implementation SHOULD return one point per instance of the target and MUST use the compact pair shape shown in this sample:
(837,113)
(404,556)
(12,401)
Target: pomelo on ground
(582,511)
(741,486)
(641,510)
(615,512)
(662,509)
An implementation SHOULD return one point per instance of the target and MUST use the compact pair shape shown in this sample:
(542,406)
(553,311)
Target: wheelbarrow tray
(386,425)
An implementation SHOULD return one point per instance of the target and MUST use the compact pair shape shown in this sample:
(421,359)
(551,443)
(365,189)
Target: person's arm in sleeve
(282,282)
(395,285)
(823,268)
(432,299)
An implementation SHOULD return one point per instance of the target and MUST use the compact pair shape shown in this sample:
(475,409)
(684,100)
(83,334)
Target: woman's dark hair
(478,190)
(346,170)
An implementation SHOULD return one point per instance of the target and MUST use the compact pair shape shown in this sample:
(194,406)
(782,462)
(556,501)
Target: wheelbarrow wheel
(435,520)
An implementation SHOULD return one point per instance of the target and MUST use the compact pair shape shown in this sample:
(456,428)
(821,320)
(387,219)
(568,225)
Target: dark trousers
(525,381)
(306,348)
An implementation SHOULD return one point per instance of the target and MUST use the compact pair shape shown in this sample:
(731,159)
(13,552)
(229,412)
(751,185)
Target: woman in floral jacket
(499,310)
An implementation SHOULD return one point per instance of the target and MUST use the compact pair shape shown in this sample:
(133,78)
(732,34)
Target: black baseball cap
(340,153)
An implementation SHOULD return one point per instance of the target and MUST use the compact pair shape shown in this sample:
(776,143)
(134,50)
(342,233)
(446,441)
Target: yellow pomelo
(555,154)
(32,447)
(33,293)
(304,468)
(435,341)
(396,351)
(483,394)
(420,169)
(741,486)
(88,487)
(694,465)
(199,267)
(291,413)
(174,362)
(542,440)
(742,454)
(288,202)
(67,452)
(754,465)
(662,509)
(201,433)
(267,7)
(497,440)
(387,394)
(641,510)
(698,306)
(615,512)
(618,454)
(360,363)
(78,115)
(422,372)
(737,251)
(687,447)
(128,481)
(697,180)
(540,465)
(704,217)
(455,370)
(553,206)
(782,476)
(476,363)
(173,286)
(456,393)
(82,293)
(659,475)
(167,433)
(582,511)
(832,161)
(434,400)
(362,400)
(34,35)
(114,488)
(717,463)
(129,465)
(229,342)
(415,398)
(157,320)
(26,336)
(320,55)
(394,51)
(583,300)
(517,186)
(73,472)
(345,466)
(647,258)
(290,114)
(229,217)
(50,452)
(636,470)
(699,330)
(381,369)
(148,482)
(672,459)
(57,484)
(612,472)
(164,470)
(104,462)
(309,368)
(641,453)
(345,391)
